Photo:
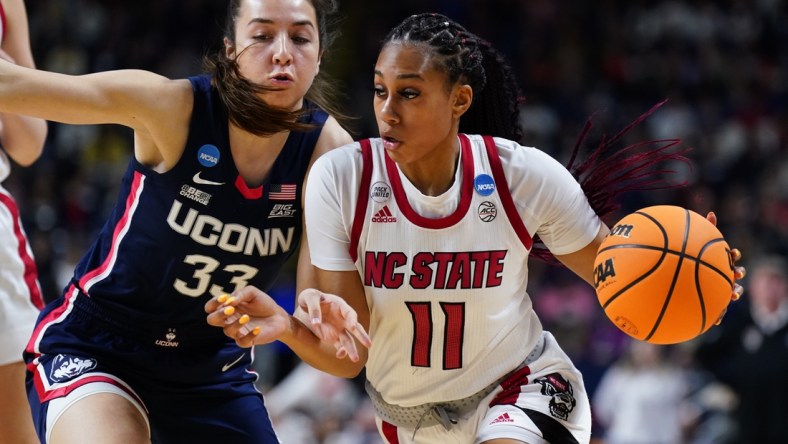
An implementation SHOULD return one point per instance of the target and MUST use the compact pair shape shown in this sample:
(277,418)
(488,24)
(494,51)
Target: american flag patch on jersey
(282,192)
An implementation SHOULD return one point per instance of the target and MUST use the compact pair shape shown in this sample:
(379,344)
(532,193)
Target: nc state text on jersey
(465,269)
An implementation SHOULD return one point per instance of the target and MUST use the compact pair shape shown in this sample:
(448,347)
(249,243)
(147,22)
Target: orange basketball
(664,274)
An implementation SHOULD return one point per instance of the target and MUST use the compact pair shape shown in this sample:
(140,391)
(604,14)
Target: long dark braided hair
(240,96)
(605,173)
(466,58)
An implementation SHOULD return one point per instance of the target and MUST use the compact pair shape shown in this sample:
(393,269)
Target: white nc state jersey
(447,293)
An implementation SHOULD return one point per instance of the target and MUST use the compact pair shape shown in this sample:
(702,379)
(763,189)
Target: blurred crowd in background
(722,65)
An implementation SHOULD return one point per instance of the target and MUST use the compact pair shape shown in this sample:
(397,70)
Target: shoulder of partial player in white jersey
(341,157)
(547,197)
(525,163)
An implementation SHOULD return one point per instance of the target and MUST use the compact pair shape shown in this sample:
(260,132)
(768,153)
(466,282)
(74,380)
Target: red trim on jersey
(249,193)
(466,191)
(363,198)
(52,317)
(47,395)
(121,229)
(505,194)
(390,432)
(512,387)
(30,273)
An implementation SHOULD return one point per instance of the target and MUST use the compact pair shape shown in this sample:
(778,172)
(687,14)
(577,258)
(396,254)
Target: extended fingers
(245,329)
(739,273)
(347,346)
(349,320)
(245,337)
(361,334)
(310,301)
(738,291)
(352,325)
(222,310)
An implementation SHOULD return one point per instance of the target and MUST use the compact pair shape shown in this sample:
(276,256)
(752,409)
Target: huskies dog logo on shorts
(562,400)
(66,367)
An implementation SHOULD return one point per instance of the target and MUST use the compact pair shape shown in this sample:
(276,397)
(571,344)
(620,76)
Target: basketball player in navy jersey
(426,232)
(21,139)
(210,203)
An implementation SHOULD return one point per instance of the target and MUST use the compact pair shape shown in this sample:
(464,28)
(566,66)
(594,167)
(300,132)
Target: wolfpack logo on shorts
(563,400)
(67,367)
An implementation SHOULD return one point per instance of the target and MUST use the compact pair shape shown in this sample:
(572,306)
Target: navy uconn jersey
(175,239)
(132,321)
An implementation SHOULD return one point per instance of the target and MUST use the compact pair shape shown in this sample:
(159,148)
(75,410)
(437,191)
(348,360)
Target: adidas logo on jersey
(502,418)
(384,216)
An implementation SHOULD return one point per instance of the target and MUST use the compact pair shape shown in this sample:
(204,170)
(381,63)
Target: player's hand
(738,271)
(334,321)
(250,316)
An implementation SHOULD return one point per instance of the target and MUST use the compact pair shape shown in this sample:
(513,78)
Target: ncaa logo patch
(380,192)
(208,155)
(487,211)
(484,184)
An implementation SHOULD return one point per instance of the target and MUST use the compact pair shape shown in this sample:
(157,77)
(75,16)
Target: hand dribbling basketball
(665,274)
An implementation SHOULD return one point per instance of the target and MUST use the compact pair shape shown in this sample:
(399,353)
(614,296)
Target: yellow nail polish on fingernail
(221,299)
(244,319)
(230,299)
(256,331)
(229,310)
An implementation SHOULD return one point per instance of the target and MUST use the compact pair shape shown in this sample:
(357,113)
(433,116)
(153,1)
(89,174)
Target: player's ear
(229,48)
(462,97)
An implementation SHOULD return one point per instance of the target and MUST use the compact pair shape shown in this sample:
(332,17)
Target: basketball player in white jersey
(21,138)
(426,232)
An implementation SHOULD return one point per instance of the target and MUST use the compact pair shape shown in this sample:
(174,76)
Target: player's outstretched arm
(156,108)
(324,334)
(22,137)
